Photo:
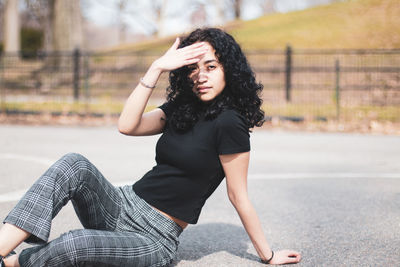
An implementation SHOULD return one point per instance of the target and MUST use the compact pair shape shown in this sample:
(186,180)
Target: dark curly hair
(241,92)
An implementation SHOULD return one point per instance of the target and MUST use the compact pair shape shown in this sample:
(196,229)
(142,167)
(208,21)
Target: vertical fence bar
(86,81)
(76,59)
(288,69)
(2,89)
(337,71)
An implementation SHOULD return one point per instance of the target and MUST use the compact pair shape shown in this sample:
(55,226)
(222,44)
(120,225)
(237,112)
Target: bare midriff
(181,223)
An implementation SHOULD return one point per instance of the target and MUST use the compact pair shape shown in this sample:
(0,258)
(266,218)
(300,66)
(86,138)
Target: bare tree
(237,6)
(121,6)
(220,7)
(61,21)
(199,17)
(42,10)
(268,6)
(1,20)
(159,8)
(11,26)
(149,15)
(65,19)
(67,25)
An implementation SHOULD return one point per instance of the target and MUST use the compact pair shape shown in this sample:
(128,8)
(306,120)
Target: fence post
(86,81)
(288,69)
(337,71)
(76,58)
(2,89)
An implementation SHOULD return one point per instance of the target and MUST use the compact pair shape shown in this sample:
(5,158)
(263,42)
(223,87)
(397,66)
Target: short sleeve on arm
(166,107)
(232,133)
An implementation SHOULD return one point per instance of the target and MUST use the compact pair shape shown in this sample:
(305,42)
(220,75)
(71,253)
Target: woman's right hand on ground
(285,256)
(176,57)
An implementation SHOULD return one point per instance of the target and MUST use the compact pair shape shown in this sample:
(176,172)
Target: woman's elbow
(122,131)
(237,198)
(125,128)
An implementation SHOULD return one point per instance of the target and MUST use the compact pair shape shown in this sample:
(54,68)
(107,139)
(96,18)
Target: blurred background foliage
(62,62)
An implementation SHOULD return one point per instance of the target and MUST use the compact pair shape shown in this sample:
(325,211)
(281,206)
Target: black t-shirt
(188,168)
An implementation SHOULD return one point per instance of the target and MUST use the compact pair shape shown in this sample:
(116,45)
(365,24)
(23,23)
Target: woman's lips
(203,89)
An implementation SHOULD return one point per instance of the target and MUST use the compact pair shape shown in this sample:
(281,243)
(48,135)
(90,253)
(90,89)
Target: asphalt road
(333,197)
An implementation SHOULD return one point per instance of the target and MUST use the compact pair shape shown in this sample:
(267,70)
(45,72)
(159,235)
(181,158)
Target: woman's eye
(211,67)
(192,69)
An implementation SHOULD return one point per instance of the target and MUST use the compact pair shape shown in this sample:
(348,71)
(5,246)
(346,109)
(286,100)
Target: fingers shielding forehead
(196,51)
(192,61)
(192,46)
(193,55)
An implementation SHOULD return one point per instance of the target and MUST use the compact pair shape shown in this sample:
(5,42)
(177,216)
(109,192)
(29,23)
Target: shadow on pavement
(203,240)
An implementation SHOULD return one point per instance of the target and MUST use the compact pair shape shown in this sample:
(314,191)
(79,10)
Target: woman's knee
(69,169)
(72,158)
(76,164)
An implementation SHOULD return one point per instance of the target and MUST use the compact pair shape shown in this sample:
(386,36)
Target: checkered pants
(121,229)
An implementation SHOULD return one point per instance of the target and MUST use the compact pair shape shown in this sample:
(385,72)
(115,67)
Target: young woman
(213,101)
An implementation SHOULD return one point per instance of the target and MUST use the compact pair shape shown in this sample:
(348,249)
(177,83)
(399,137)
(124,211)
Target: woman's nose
(202,76)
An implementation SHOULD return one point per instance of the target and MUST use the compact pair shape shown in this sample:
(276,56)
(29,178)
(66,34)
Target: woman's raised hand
(175,58)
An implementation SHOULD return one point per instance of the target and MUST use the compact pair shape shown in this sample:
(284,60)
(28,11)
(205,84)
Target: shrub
(31,41)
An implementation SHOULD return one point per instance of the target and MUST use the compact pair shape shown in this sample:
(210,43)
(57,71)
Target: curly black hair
(241,92)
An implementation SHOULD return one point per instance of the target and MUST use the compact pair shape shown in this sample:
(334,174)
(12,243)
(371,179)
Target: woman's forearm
(252,224)
(136,103)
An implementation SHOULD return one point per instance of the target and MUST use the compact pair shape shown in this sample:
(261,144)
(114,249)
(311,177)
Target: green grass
(64,107)
(102,107)
(352,24)
(387,113)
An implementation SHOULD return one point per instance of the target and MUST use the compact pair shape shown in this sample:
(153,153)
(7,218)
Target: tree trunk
(121,23)
(67,35)
(268,7)
(237,7)
(220,18)
(47,23)
(67,25)
(159,9)
(11,26)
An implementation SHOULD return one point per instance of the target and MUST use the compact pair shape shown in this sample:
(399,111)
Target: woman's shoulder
(232,133)
(229,114)
(230,118)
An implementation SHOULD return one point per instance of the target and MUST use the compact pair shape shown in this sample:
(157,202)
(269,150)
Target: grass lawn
(309,112)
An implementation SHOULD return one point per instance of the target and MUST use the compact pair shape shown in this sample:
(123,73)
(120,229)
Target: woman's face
(208,76)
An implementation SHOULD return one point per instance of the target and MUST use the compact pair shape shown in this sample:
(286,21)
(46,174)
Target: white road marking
(16,195)
(322,175)
(12,196)
(35,159)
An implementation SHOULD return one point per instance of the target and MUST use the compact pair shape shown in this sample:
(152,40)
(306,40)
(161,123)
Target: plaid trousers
(121,229)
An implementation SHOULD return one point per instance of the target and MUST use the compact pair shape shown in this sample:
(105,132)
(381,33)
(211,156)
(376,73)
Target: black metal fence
(307,84)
